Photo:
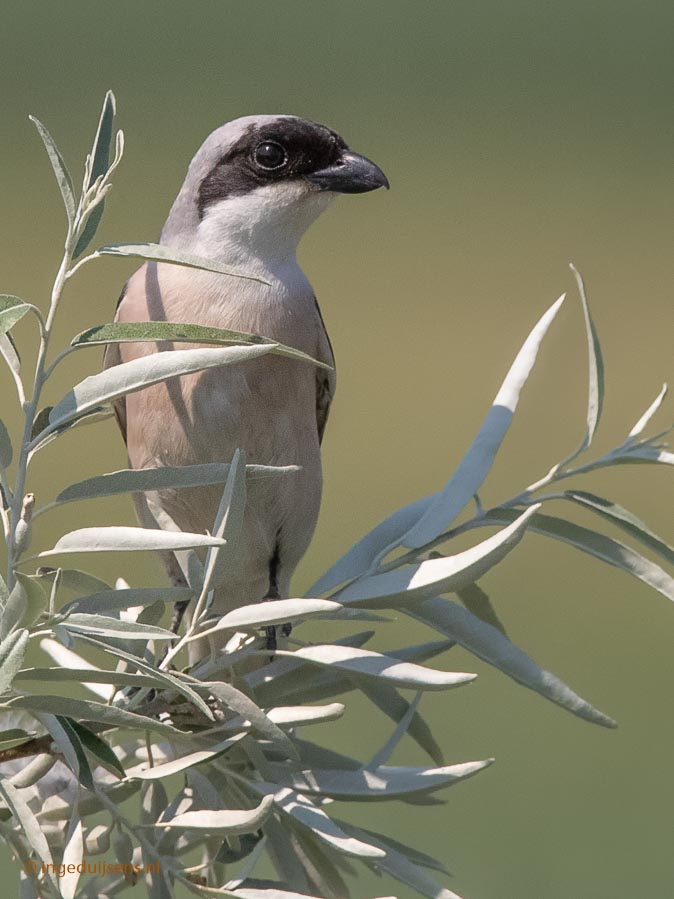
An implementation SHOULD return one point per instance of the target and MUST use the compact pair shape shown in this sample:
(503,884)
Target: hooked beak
(352,174)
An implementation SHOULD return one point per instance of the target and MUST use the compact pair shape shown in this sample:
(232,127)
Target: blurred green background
(517,137)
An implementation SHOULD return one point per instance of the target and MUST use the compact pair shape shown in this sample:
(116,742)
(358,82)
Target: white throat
(260,231)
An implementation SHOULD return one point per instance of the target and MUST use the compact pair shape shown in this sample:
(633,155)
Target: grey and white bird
(251,191)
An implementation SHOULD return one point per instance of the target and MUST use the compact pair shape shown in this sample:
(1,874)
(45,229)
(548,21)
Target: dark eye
(270,155)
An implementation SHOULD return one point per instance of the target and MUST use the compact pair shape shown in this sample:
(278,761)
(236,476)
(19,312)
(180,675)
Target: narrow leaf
(623,518)
(12,651)
(595,397)
(135,480)
(100,160)
(139,373)
(228,525)
(228,821)
(127,539)
(5,447)
(117,600)
(363,555)
(476,601)
(99,748)
(305,813)
(72,855)
(175,766)
(475,465)
(648,414)
(490,645)
(155,252)
(26,818)
(598,545)
(409,584)
(276,611)
(398,865)
(12,310)
(365,663)
(104,626)
(84,709)
(61,173)
(382,783)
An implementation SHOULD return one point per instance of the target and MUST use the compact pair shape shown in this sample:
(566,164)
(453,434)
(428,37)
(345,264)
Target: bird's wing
(325,380)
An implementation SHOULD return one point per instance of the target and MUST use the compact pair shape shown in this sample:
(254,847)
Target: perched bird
(251,191)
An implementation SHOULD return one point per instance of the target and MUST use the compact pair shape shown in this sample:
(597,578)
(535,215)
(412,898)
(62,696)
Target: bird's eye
(270,155)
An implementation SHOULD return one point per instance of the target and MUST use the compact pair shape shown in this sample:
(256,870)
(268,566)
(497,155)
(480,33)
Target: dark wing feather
(325,380)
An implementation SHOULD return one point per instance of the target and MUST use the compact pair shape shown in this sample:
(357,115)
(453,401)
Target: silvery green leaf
(126,539)
(159,677)
(229,821)
(14,736)
(67,659)
(386,751)
(228,525)
(12,310)
(5,447)
(73,579)
(398,865)
(598,545)
(409,584)
(478,603)
(72,855)
(100,160)
(304,812)
(99,748)
(622,518)
(384,782)
(9,353)
(493,647)
(14,610)
(84,709)
(301,715)
(36,599)
(97,839)
(12,651)
(475,465)
(167,769)
(155,252)
(275,611)
(134,480)
(33,771)
(63,178)
(391,703)
(231,698)
(595,397)
(104,626)
(27,820)
(414,855)
(646,454)
(68,741)
(648,414)
(363,555)
(88,676)
(128,377)
(4,593)
(118,600)
(89,805)
(175,332)
(364,663)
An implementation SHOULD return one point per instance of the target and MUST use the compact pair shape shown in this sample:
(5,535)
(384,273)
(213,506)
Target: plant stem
(30,410)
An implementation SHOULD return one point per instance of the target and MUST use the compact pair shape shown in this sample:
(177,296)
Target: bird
(253,188)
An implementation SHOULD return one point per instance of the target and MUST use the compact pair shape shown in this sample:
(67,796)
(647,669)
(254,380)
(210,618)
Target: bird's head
(257,183)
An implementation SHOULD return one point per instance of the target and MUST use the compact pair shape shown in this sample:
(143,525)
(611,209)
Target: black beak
(351,174)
